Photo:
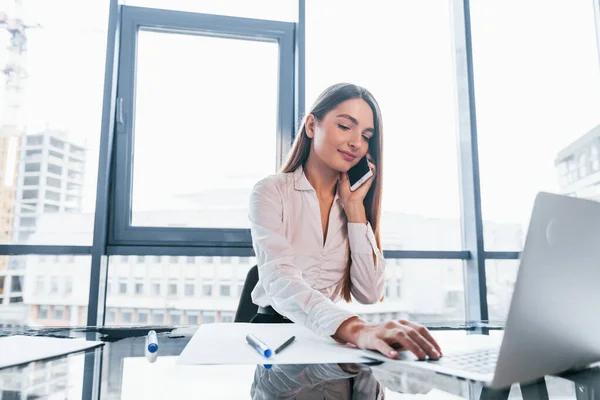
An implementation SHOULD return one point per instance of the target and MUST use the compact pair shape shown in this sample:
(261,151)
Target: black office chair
(246,309)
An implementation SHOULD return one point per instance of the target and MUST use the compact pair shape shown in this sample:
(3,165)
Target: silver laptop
(553,323)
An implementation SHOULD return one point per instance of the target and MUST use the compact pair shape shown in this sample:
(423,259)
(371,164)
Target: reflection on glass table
(120,370)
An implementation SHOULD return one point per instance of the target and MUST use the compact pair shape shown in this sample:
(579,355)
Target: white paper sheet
(17,350)
(225,343)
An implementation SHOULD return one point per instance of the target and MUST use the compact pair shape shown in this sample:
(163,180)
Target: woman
(316,241)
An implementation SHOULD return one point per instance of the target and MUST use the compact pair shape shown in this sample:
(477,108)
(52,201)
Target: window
(16,283)
(35,284)
(31,180)
(55,169)
(416,85)
(582,165)
(50,195)
(192,319)
(240,288)
(158,317)
(175,318)
(142,317)
(110,316)
(225,289)
(35,140)
(156,287)
(124,259)
(30,194)
(27,222)
(70,259)
(108,286)
(32,167)
(398,288)
(139,286)
(208,317)
(190,260)
(122,286)
(43,312)
(207,289)
(256,59)
(68,285)
(51,208)
(189,288)
(59,313)
(501,276)
(126,317)
(244,260)
(453,298)
(225,260)
(274,10)
(53,284)
(226,317)
(595,157)
(172,287)
(141,259)
(53,182)
(40,284)
(59,144)
(157,259)
(520,137)
(174,259)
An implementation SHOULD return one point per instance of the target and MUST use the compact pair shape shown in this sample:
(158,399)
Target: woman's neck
(321,177)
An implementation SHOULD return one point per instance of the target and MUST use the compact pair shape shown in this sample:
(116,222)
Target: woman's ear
(310,124)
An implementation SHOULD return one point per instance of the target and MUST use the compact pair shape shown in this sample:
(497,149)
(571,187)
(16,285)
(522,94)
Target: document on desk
(225,343)
(17,350)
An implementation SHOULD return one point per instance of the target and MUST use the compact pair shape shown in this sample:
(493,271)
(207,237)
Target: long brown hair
(327,101)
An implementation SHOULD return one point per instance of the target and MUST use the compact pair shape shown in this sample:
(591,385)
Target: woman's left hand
(356,197)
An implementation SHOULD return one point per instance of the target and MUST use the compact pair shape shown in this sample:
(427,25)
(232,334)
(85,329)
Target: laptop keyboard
(481,361)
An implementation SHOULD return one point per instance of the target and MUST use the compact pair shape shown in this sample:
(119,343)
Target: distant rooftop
(584,140)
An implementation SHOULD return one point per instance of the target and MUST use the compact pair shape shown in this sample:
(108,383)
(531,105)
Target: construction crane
(15,73)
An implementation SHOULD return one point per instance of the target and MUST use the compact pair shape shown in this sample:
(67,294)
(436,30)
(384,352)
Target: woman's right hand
(386,336)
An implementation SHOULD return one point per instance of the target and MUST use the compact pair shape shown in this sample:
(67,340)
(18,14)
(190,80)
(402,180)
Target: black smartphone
(359,174)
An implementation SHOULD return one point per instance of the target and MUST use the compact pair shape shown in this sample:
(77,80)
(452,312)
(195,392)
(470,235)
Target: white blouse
(299,276)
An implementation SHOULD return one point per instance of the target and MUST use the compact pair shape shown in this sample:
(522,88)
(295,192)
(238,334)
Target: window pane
(51,133)
(501,276)
(158,317)
(538,97)
(110,317)
(415,90)
(243,75)
(431,291)
(276,10)
(189,288)
(209,317)
(32,288)
(224,289)
(142,317)
(183,291)
(126,317)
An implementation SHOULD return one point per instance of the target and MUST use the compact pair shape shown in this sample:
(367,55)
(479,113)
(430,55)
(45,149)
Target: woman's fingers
(373,168)
(381,346)
(424,332)
(403,337)
(425,345)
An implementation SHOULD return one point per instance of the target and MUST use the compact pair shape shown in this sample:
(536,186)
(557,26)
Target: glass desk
(120,370)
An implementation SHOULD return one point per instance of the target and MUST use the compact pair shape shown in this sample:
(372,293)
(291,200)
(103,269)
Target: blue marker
(152,343)
(262,348)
